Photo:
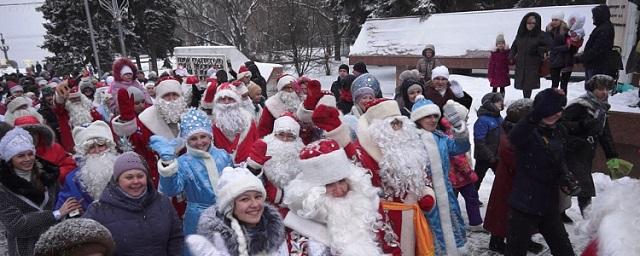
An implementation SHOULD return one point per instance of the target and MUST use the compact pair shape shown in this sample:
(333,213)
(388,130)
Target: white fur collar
(151,118)
(275,106)
(366,141)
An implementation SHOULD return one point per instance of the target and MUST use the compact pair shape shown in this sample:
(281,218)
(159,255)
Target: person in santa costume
(20,106)
(163,118)
(95,154)
(334,202)
(124,72)
(73,109)
(234,129)
(48,151)
(445,220)
(389,146)
(285,100)
(194,173)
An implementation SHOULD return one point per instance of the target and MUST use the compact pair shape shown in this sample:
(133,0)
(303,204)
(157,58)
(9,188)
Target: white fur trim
(287,124)
(327,100)
(151,119)
(365,140)
(382,110)
(226,93)
(169,170)
(168,86)
(326,168)
(303,114)
(97,129)
(124,128)
(431,109)
(342,135)
(308,228)
(285,80)
(275,106)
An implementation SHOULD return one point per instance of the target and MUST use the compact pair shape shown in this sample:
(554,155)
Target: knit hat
(344,66)
(194,121)
(380,109)
(558,15)
(232,183)
(364,91)
(137,94)
(97,129)
(125,70)
(167,86)
(366,80)
(440,71)
(226,90)
(548,102)
(500,39)
(16,103)
(360,67)
(518,109)
(128,161)
(243,72)
(285,80)
(599,81)
(286,124)
(79,236)
(422,108)
(323,162)
(16,141)
(409,74)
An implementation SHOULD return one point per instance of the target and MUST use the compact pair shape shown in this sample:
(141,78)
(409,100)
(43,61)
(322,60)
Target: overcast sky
(22,28)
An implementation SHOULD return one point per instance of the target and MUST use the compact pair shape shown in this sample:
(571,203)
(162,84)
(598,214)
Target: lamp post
(93,39)
(117,10)
(4,48)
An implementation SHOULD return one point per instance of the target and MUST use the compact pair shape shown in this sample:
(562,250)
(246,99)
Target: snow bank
(453,34)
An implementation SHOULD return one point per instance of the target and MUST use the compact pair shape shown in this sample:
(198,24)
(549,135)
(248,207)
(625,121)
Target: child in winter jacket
(486,132)
(498,72)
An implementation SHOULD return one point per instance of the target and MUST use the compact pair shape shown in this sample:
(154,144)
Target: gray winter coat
(425,65)
(528,50)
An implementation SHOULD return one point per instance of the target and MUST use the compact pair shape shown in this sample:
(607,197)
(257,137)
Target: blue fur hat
(423,107)
(194,121)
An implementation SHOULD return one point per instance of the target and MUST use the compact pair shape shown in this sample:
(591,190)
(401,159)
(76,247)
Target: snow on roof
(452,34)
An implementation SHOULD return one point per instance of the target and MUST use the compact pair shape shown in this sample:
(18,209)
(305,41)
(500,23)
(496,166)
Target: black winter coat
(539,152)
(560,55)
(145,226)
(598,48)
(528,50)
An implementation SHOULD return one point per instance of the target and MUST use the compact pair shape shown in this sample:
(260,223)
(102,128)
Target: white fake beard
(284,164)
(403,167)
(290,100)
(170,111)
(248,106)
(230,119)
(96,173)
(79,112)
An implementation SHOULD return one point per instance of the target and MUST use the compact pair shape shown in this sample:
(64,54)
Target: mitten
(164,147)
(456,88)
(326,118)
(314,94)
(426,203)
(618,168)
(456,114)
(258,153)
(126,105)
(200,245)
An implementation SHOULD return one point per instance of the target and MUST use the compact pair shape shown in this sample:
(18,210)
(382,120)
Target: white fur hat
(232,183)
(558,15)
(285,80)
(17,103)
(286,124)
(167,86)
(440,71)
(97,129)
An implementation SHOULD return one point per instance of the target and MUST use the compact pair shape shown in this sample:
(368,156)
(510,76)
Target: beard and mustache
(170,111)
(403,167)
(79,112)
(96,172)
(284,164)
(290,100)
(230,119)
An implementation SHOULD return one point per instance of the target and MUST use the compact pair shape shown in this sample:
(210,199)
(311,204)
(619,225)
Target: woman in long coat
(528,51)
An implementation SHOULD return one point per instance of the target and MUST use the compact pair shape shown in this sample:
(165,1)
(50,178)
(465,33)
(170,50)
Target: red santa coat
(55,154)
(274,108)
(66,139)
(240,147)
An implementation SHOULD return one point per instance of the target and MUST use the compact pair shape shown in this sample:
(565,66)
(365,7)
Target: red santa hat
(381,109)
(240,87)
(243,72)
(227,90)
(209,94)
(192,80)
(16,103)
(26,120)
(13,87)
(74,92)
(323,162)
(284,81)
(168,86)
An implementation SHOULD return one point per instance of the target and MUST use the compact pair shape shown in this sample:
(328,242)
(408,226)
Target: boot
(534,247)
(566,218)
(497,244)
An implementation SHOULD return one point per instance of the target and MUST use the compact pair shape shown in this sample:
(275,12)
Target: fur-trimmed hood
(44,133)
(33,190)
(266,237)
(117,66)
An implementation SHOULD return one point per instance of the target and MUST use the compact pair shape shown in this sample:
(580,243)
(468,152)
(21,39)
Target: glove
(164,147)
(196,95)
(259,152)
(200,245)
(455,113)
(314,94)
(426,203)
(125,105)
(456,88)
(618,168)
(326,118)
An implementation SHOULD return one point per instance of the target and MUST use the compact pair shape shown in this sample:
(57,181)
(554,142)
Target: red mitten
(326,118)
(259,152)
(314,94)
(125,105)
(426,203)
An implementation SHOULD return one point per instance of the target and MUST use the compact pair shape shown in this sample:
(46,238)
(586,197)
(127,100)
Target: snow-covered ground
(478,243)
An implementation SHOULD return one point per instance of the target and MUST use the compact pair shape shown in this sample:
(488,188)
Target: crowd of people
(141,164)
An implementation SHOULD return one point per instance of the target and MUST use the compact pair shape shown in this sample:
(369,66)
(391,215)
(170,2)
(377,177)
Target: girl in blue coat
(194,173)
(445,219)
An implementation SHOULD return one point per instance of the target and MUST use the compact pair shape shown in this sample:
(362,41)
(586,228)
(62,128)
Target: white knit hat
(97,129)
(285,80)
(232,183)
(440,71)
(423,108)
(558,15)
(323,162)
(14,142)
(286,124)
(167,86)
